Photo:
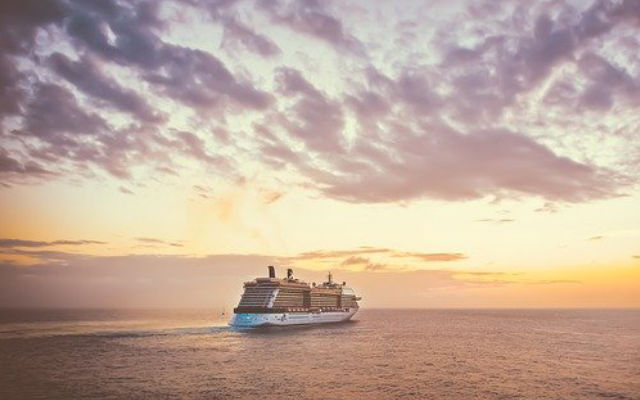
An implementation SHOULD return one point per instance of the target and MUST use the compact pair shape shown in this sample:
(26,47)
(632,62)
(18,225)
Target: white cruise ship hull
(251,320)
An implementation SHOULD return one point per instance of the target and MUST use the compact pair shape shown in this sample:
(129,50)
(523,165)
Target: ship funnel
(272,271)
(289,273)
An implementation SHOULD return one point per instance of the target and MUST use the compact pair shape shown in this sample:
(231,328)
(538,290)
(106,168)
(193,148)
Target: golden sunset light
(194,135)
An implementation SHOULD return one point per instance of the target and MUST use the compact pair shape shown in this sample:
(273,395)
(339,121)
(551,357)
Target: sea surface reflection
(382,354)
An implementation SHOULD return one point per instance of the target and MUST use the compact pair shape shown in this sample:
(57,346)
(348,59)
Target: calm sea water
(384,354)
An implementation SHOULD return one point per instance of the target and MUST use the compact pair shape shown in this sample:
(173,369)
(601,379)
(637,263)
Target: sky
(455,154)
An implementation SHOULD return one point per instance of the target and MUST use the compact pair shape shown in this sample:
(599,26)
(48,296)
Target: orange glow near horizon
(488,166)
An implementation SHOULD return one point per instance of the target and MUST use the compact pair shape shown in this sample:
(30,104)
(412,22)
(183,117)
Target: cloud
(325,254)
(497,220)
(355,260)
(194,146)
(314,119)
(409,152)
(605,81)
(201,81)
(512,60)
(430,257)
(76,242)
(237,34)
(155,241)
(11,166)
(373,259)
(86,75)
(54,113)
(462,116)
(506,278)
(313,19)
(442,163)
(70,131)
(366,265)
(67,133)
(377,267)
(271,197)
(149,240)
(192,76)
(11,243)
(19,24)
(547,207)
(11,95)
(201,191)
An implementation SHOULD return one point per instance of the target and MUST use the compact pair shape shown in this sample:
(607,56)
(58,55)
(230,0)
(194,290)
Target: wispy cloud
(353,254)
(507,278)
(271,197)
(430,256)
(497,220)
(373,259)
(149,241)
(11,243)
(548,207)
(314,19)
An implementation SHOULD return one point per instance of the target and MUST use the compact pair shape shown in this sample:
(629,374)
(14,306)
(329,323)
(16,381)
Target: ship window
(256,296)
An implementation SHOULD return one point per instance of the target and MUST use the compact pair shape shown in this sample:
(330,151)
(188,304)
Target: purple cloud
(11,166)
(87,77)
(238,34)
(314,118)
(312,18)
(449,165)
(55,112)
(192,76)
(451,124)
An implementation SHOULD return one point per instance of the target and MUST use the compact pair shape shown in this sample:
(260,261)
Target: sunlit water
(383,354)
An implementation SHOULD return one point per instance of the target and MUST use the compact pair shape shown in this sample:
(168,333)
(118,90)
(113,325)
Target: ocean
(382,354)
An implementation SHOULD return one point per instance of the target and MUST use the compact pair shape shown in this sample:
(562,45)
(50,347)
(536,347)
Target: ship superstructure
(289,301)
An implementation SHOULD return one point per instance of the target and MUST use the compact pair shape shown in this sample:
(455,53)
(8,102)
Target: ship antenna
(330,277)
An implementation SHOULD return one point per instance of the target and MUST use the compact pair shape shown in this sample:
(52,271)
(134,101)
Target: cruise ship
(272,301)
